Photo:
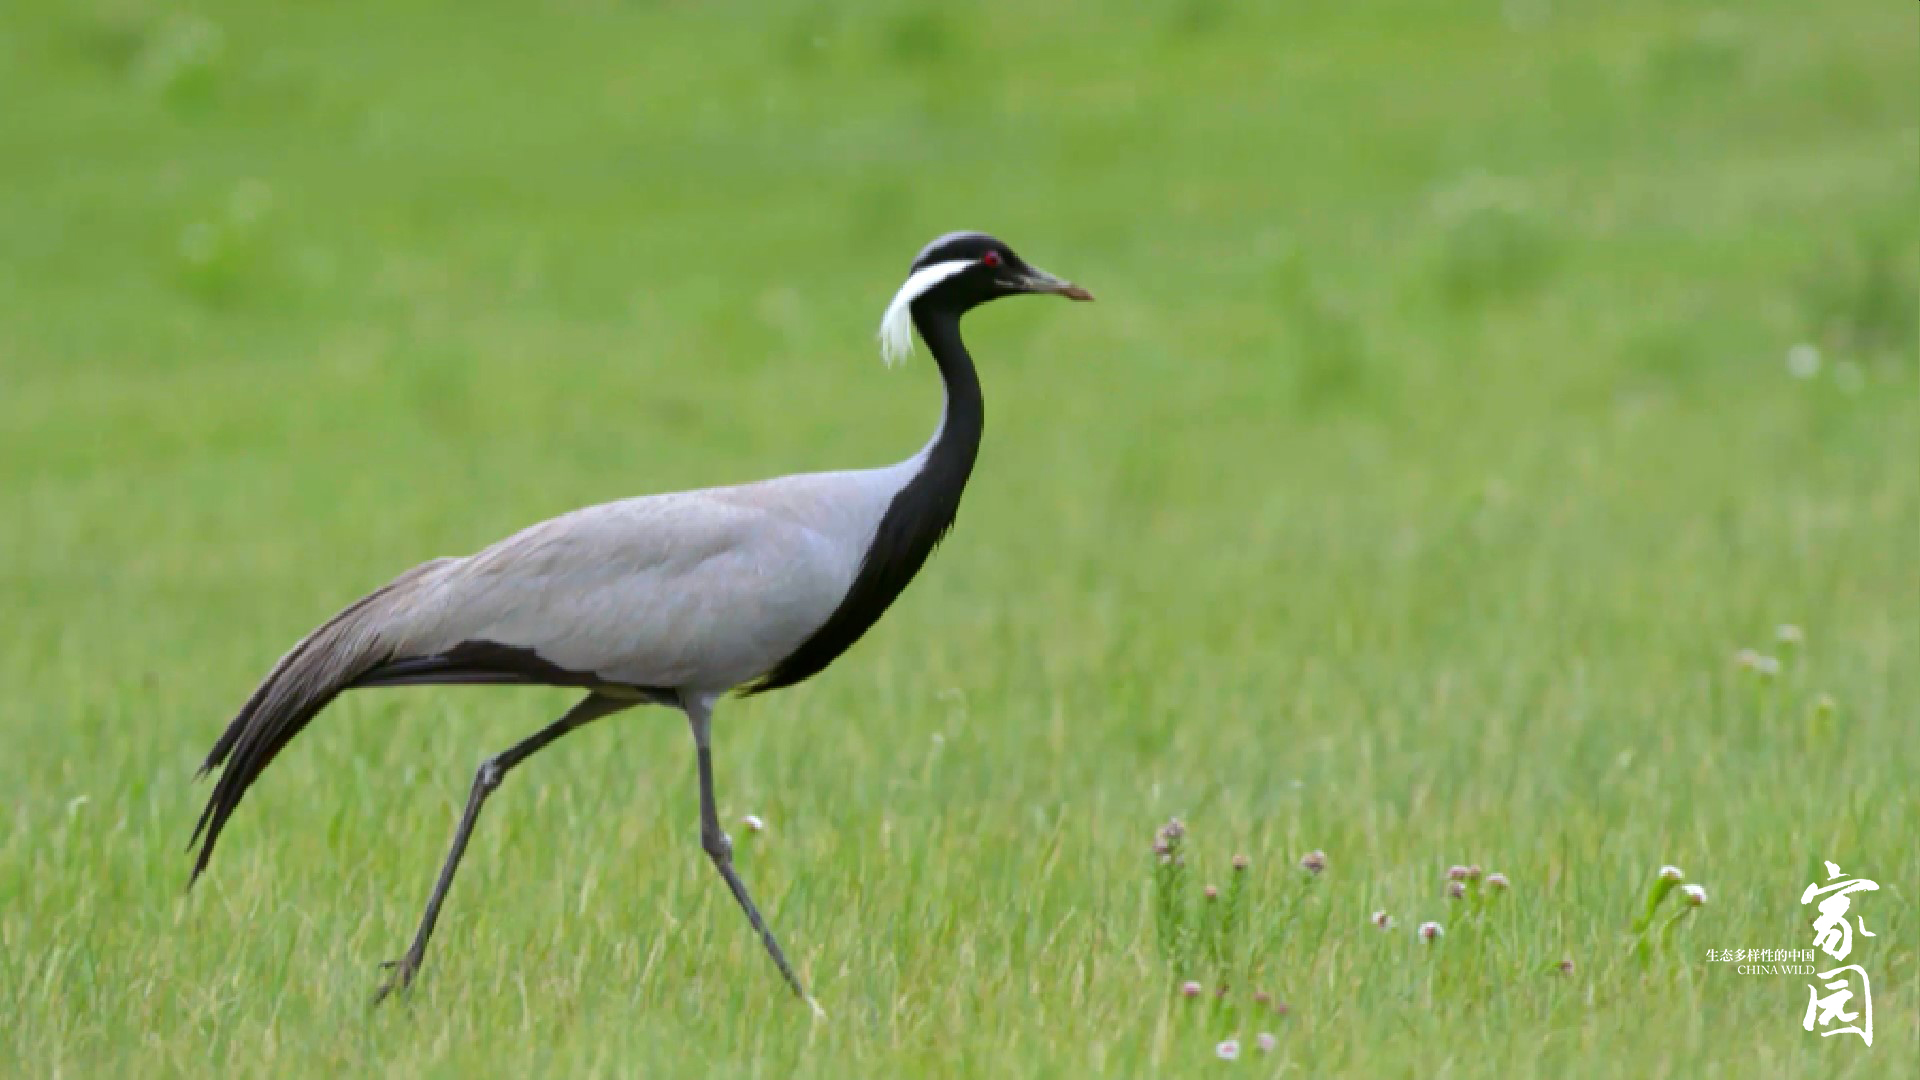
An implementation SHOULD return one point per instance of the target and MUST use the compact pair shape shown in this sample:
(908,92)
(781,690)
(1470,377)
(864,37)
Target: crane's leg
(492,771)
(719,846)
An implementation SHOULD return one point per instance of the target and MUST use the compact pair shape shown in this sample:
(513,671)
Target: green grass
(1429,457)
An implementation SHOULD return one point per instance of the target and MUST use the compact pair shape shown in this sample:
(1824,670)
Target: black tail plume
(304,682)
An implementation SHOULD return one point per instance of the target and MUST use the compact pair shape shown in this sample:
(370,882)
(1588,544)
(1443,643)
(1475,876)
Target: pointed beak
(1036,280)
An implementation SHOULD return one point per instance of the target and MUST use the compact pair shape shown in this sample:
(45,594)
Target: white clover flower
(1431,931)
(753,823)
(1694,895)
(1266,1042)
(1673,874)
(1789,634)
(1497,881)
(1383,920)
(1803,361)
(1228,1050)
(1190,988)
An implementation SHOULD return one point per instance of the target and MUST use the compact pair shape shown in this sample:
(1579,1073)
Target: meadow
(1470,384)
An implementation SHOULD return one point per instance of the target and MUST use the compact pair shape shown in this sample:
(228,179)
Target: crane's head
(958,272)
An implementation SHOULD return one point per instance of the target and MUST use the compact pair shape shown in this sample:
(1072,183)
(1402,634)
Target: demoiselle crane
(672,600)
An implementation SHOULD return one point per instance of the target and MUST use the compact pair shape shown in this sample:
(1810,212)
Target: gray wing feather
(697,590)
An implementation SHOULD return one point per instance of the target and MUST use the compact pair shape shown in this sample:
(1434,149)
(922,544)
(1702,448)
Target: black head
(958,272)
(992,271)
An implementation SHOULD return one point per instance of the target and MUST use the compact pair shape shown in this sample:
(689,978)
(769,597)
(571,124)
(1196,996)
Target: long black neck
(958,443)
(920,514)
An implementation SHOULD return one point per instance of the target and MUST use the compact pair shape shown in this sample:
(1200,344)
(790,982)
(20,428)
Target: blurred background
(1469,382)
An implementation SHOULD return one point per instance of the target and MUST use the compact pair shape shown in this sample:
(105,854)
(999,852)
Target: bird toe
(403,970)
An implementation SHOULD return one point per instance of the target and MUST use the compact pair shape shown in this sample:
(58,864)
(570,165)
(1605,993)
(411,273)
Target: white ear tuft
(896,326)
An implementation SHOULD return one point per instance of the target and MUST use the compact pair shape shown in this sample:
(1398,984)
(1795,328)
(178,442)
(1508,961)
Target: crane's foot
(401,978)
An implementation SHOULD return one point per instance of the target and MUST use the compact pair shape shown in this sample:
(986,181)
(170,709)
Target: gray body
(696,591)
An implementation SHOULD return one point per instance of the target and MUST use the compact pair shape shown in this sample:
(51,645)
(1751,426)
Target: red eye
(991,258)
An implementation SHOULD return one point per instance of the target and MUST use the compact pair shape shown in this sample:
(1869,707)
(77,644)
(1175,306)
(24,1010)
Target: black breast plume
(914,522)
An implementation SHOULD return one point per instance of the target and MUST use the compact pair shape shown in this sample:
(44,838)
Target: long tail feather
(304,682)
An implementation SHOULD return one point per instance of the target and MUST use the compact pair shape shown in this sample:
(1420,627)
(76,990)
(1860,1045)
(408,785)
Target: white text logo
(1834,935)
